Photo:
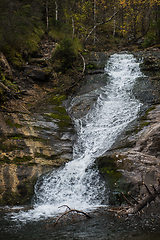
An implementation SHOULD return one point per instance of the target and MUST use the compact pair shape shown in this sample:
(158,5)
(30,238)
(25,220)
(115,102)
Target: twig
(65,206)
(131,204)
(147,189)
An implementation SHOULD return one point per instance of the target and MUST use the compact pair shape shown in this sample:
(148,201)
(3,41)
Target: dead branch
(134,199)
(65,206)
(98,24)
(131,204)
(84,64)
(69,211)
(144,202)
(147,189)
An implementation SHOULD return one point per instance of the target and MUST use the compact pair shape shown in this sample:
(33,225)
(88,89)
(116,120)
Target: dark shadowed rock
(39,74)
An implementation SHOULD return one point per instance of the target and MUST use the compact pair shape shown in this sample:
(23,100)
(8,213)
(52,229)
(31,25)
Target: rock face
(36,133)
(30,145)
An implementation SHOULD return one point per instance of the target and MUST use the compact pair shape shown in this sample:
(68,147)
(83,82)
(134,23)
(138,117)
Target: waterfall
(78,184)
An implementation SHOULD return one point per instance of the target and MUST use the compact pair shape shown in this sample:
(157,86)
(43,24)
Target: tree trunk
(94,20)
(56,7)
(114,22)
(47,17)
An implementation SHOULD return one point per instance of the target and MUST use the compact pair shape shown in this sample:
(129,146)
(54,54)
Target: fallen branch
(134,208)
(69,211)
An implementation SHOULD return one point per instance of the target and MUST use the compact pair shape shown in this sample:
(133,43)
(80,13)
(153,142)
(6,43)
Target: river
(78,184)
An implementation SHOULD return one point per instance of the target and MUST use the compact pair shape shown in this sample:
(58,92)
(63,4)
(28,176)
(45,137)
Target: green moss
(91,66)
(57,100)
(38,139)
(10,85)
(108,167)
(5,159)
(40,155)
(10,147)
(59,109)
(63,125)
(60,116)
(11,124)
(21,136)
(31,164)
(13,56)
(17,136)
(19,160)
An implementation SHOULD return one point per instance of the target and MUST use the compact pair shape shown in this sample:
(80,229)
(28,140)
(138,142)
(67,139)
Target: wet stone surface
(30,145)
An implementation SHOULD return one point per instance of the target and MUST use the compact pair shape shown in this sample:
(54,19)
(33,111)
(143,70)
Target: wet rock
(140,163)
(31,145)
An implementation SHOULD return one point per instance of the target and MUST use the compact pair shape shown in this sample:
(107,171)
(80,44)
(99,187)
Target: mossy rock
(108,168)
(4,160)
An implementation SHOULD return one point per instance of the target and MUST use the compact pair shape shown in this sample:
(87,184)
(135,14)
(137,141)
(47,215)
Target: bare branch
(69,211)
(131,204)
(147,189)
(84,64)
(98,24)
(65,206)
(134,200)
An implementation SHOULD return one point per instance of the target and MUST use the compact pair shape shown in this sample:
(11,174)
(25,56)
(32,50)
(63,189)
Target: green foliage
(58,31)
(150,40)
(13,56)
(66,53)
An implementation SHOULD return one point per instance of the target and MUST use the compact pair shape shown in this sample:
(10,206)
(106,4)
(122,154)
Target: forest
(96,24)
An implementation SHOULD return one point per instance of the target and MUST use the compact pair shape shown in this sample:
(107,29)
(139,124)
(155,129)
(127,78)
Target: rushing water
(78,184)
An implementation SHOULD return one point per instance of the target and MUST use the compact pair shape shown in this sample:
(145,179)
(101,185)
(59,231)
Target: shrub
(66,53)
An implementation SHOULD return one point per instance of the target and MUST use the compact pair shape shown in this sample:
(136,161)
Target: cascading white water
(78,183)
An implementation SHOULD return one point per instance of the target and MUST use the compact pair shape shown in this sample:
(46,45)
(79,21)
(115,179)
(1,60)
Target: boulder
(39,74)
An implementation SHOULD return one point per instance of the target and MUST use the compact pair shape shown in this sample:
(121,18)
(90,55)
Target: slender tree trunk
(56,7)
(95,20)
(73,27)
(114,22)
(158,22)
(47,17)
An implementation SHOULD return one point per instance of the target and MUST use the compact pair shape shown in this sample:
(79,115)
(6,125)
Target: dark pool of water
(102,225)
